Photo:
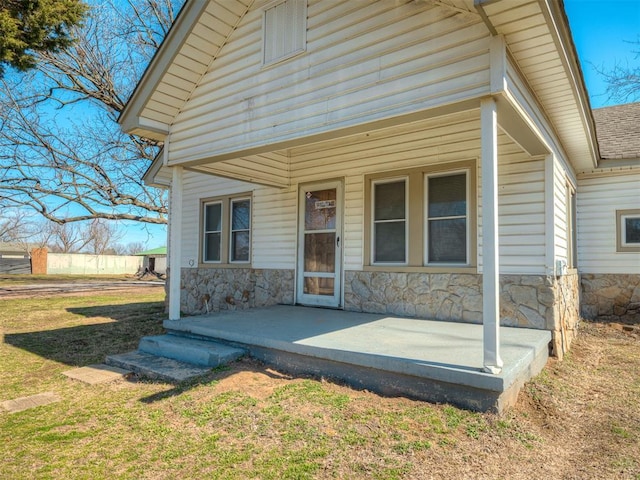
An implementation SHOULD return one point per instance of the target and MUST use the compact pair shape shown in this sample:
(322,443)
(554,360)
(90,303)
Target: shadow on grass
(91,342)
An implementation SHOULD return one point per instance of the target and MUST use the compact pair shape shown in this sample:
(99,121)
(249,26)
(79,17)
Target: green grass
(248,421)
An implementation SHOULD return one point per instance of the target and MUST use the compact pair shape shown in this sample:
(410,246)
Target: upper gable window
(284,30)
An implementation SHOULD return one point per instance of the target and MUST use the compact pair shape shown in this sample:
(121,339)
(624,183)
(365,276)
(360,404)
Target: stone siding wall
(531,301)
(213,289)
(566,312)
(611,297)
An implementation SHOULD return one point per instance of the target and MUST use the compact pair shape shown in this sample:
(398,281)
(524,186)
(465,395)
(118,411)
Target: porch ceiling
(445,138)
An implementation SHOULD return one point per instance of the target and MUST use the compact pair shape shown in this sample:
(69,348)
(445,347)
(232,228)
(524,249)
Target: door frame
(302,298)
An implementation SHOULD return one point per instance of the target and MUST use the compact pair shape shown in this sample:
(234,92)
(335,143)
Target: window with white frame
(226,230)
(284,30)
(628,230)
(422,218)
(390,221)
(446,218)
(212,232)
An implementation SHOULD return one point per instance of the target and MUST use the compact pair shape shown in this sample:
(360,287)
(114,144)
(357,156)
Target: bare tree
(23,229)
(623,79)
(133,248)
(66,237)
(13,226)
(62,152)
(101,237)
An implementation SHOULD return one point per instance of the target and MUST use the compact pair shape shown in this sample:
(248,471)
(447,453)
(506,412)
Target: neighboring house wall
(73,263)
(610,278)
(15,263)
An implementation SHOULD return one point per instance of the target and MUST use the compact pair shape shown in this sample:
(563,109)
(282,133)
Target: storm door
(320,244)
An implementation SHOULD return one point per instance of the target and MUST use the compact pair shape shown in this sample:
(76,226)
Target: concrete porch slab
(431,360)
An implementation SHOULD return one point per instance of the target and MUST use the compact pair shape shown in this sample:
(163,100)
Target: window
(226,230)
(212,232)
(422,219)
(240,230)
(390,222)
(628,230)
(284,30)
(446,218)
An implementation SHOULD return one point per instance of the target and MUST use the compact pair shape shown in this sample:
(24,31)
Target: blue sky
(604,32)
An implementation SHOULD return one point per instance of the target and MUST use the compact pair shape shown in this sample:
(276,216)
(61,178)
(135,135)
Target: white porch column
(175,243)
(490,249)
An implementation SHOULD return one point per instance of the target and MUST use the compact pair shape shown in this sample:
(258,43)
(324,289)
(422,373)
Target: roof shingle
(618,131)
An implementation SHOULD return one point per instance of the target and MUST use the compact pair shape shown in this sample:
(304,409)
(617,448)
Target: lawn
(579,419)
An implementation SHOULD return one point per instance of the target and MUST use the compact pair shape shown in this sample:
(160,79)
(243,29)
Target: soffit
(538,38)
(192,44)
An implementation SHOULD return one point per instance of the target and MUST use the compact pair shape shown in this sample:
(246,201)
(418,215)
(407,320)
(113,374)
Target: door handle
(338,242)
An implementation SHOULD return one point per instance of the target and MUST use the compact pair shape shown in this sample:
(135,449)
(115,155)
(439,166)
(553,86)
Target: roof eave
(560,22)
(130,118)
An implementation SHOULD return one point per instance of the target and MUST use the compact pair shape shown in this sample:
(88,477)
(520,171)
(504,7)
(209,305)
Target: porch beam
(175,242)
(490,248)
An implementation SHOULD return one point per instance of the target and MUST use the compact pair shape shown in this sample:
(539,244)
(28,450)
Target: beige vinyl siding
(197,187)
(431,142)
(353,222)
(274,229)
(560,213)
(599,196)
(364,62)
(522,212)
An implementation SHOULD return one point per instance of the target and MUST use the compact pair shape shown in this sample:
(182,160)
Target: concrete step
(155,367)
(203,353)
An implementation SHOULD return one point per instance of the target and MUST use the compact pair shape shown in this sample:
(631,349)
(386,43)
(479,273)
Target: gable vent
(284,30)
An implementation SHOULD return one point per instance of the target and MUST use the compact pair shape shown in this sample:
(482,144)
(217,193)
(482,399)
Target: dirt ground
(22,286)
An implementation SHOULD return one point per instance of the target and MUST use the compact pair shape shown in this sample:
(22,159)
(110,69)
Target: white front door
(319,272)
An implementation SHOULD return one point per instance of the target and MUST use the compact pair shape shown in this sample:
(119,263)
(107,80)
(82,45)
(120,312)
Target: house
(14,258)
(609,219)
(423,158)
(154,260)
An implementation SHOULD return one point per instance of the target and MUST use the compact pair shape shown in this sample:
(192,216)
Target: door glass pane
(320,210)
(448,241)
(319,286)
(212,247)
(389,201)
(390,242)
(448,196)
(319,252)
(213,217)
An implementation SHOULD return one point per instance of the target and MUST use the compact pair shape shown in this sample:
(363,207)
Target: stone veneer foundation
(532,301)
(610,297)
(204,290)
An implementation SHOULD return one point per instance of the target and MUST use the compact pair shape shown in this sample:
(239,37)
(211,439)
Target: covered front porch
(424,359)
